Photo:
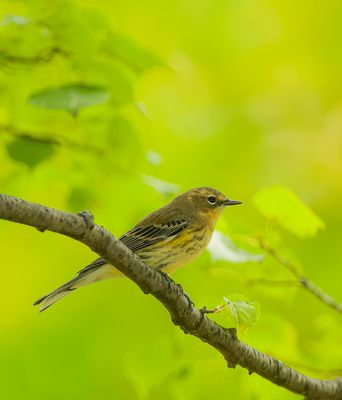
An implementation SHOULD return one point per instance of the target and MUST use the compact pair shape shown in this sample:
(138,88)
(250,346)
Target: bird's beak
(228,202)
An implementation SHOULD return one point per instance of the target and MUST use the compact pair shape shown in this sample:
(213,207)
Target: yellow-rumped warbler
(165,240)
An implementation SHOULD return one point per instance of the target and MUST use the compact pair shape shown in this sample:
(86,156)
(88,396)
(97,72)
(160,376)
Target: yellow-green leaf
(286,208)
(243,313)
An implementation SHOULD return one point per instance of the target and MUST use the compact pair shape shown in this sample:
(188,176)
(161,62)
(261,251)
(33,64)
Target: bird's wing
(145,235)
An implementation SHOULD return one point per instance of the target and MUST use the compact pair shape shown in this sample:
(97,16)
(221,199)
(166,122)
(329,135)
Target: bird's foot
(170,282)
(167,278)
(190,302)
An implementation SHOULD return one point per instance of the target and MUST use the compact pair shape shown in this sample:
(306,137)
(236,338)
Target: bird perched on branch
(165,240)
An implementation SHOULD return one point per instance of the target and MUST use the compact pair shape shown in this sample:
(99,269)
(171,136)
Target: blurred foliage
(283,206)
(71,98)
(29,151)
(118,106)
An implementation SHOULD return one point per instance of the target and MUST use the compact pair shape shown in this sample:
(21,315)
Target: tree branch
(189,319)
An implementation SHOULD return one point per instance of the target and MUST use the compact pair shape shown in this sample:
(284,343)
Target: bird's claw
(170,282)
(190,302)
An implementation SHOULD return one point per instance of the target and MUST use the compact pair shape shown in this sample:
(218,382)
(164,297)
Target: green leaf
(71,98)
(285,207)
(242,313)
(130,53)
(30,151)
(222,248)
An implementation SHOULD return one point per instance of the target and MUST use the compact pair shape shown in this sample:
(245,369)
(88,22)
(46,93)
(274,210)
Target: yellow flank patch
(172,254)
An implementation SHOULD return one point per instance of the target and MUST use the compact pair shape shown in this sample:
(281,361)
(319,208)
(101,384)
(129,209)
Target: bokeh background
(117,106)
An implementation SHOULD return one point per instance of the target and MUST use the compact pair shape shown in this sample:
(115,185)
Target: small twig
(273,282)
(320,294)
(281,260)
(301,280)
(205,310)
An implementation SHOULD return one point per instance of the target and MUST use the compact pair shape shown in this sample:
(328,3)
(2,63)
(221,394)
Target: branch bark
(191,320)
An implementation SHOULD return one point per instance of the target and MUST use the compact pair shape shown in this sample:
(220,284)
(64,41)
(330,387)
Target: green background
(155,98)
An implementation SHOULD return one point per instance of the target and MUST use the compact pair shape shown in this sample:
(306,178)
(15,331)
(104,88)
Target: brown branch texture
(191,320)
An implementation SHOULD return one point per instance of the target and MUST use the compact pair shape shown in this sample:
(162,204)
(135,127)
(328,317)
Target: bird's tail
(90,274)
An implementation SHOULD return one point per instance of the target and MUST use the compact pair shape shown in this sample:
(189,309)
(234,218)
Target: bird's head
(206,201)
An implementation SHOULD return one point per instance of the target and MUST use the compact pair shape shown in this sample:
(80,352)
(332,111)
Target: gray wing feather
(143,236)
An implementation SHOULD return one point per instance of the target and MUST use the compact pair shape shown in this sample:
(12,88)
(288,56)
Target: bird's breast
(173,253)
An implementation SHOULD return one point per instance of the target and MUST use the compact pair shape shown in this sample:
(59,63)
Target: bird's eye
(211,199)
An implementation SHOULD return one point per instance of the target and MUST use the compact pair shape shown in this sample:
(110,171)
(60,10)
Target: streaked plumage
(165,240)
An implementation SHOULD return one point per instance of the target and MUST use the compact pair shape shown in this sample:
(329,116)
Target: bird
(165,240)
